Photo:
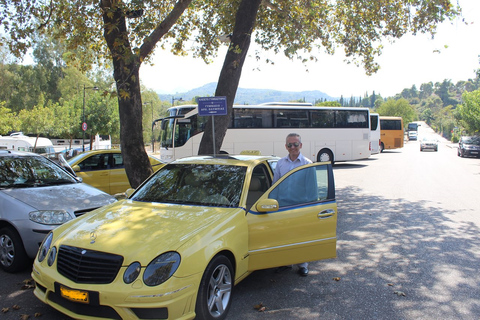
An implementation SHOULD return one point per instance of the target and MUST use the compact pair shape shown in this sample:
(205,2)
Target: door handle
(326,214)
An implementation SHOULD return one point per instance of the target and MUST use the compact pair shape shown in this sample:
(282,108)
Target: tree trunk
(231,72)
(126,67)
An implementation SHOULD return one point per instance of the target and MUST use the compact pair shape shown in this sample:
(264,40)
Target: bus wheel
(382,147)
(325,155)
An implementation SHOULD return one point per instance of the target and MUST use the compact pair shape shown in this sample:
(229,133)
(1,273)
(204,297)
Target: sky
(453,54)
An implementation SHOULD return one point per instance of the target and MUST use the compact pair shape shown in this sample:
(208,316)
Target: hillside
(252,96)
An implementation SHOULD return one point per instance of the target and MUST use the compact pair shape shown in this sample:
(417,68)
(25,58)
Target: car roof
(226,159)
(11,153)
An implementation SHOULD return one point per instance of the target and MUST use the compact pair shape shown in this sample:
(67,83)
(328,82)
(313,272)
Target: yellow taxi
(105,170)
(178,244)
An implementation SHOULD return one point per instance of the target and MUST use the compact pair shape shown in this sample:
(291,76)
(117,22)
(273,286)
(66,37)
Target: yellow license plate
(74,295)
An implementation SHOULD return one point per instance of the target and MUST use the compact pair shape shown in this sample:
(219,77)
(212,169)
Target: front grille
(79,213)
(87,266)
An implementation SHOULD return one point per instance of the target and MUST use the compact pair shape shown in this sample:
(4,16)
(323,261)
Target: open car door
(295,220)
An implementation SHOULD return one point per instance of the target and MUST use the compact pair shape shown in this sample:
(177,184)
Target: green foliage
(469,111)
(8,120)
(329,104)
(38,121)
(397,108)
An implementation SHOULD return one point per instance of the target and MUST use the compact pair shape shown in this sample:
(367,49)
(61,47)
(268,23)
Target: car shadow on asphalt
(396,259)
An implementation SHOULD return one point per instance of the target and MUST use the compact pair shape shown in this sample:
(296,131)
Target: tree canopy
(125,34)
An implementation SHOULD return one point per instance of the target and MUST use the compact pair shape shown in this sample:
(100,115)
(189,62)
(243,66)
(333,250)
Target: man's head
(293,144)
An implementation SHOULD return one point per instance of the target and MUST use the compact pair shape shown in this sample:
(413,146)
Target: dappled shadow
(384,246)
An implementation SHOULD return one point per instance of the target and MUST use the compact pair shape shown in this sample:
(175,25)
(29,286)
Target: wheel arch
(326,150)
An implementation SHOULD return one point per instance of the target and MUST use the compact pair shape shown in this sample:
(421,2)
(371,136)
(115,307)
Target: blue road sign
(212,106)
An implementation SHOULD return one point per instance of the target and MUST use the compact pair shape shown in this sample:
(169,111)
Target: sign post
(212,106)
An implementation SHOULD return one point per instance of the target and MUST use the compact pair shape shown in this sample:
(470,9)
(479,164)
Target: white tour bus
(328,133)
(375,132)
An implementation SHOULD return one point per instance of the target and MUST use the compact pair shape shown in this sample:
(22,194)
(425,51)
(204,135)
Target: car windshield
(76,158)
(31,171)
(472,140)
(198,184)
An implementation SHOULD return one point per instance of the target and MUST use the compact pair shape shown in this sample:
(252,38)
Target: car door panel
(303,228)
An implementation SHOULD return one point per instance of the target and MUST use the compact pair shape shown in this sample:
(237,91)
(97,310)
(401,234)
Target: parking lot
(408,248)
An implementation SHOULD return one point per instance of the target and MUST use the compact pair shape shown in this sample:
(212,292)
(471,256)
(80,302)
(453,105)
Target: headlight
(54,217)
(47,242)
(52,256)
(132,272)
(161,268)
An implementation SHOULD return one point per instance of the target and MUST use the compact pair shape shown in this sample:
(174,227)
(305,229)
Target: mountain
(252,96)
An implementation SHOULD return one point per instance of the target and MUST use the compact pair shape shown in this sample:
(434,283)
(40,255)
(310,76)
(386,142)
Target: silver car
(37,195)
(429,142)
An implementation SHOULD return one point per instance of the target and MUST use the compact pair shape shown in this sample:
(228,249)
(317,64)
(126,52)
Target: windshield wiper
(55,182)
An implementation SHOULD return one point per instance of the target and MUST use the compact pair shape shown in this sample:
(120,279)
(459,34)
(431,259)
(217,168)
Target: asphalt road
(408,248)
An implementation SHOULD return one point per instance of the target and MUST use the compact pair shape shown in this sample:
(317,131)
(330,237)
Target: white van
(19,142)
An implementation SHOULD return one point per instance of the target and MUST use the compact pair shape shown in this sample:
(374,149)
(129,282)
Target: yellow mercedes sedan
(105,170)
(178,244)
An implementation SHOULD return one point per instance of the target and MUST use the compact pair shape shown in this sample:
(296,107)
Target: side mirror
(76,168)
(129,192)
(267,205)
(65,164)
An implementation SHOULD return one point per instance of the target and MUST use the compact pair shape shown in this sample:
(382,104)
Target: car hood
(140,231)
(69,197)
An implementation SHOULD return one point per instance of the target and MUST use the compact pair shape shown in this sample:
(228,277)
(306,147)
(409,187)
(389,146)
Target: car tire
(13,257)
(215,292)
(325,155)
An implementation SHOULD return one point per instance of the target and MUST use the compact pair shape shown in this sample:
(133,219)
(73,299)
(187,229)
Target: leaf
(259,307)
(5,310)
(336,278)
(24,316)
(390,284)
(16,307)
(28,284)
(37,314)
(400,293)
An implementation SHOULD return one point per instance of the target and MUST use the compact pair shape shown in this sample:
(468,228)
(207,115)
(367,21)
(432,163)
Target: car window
(28,171)
(307,185)
(260,182)
(117,161)
(200,184)
(95,162)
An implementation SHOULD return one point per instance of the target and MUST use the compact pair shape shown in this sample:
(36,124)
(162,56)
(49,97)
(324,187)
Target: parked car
(469,146)
(429,142)
(412,135)
(105,169)
(175,248)
(37,195)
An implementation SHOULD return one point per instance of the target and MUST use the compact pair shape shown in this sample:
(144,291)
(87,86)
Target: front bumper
(174,299)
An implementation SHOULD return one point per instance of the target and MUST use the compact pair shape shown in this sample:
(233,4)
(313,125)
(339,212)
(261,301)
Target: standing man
(294,159)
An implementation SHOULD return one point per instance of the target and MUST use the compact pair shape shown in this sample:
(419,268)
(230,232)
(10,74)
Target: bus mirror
(163,125)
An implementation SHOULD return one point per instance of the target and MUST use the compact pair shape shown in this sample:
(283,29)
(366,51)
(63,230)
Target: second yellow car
(105,169)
